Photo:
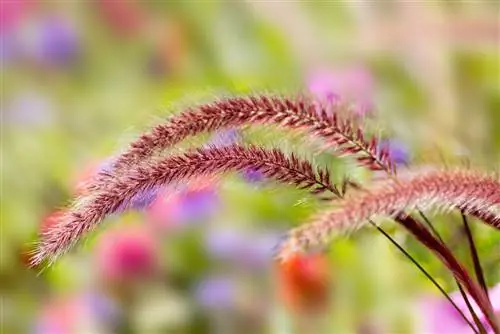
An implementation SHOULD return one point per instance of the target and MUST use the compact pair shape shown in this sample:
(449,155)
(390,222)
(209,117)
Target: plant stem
(460,288)
(475,257)
(456,268)
(425,272)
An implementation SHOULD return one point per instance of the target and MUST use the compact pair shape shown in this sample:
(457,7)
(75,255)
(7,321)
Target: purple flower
(353,85)
(438,316)
(225,138)
(253,176)
(143,199)
(398,152)
(50,41)
(9,49)
(58,42)
(251,250)
(30,108)
(216,293)
(197,204)
(224,244)
(104,309)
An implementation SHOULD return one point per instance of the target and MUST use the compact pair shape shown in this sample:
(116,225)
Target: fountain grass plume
(470,191)
(296,112)
(120,191)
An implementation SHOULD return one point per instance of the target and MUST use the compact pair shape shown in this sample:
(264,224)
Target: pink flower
(438,316)
(127,253)
(352,85)
(13,12)
(87,312)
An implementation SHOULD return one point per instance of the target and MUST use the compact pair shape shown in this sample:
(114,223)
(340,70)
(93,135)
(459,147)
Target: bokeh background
(80,79)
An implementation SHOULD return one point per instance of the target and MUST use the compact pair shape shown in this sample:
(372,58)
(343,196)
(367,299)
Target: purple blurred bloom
(104,308)
(144,199)
(224,244)
(58,42)
(398,152)
(9,49)
(50,41)
(197,204)
(30,108)
(437,315)
(353,85)
(216,293)
(253,176)
(225,138)
(252,250)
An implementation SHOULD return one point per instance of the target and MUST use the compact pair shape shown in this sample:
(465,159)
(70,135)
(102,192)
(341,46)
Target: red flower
(125,17)
(304,282)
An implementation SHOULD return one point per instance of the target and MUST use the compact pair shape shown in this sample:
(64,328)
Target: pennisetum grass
(469,191)
(138,170)
(87,212)
(297,113)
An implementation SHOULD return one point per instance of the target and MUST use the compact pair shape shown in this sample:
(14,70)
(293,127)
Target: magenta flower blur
(216,293)
(12,13)
(353,85)
(126,254)
(437,316)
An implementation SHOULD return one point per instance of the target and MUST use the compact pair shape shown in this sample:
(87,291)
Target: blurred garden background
(80,79)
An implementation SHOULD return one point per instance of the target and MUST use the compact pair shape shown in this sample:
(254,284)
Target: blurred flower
(304,282)
(253,176)
(51,41)
(169,48)
(216,293)
(353,85)
(173,207)
(197,204)
(398,152)
(9,49)
(126,254)
(86,313)
(125,17)
(59,43)
(225,138)
(12,12)
(250,250)
(30,108)
(438,316)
